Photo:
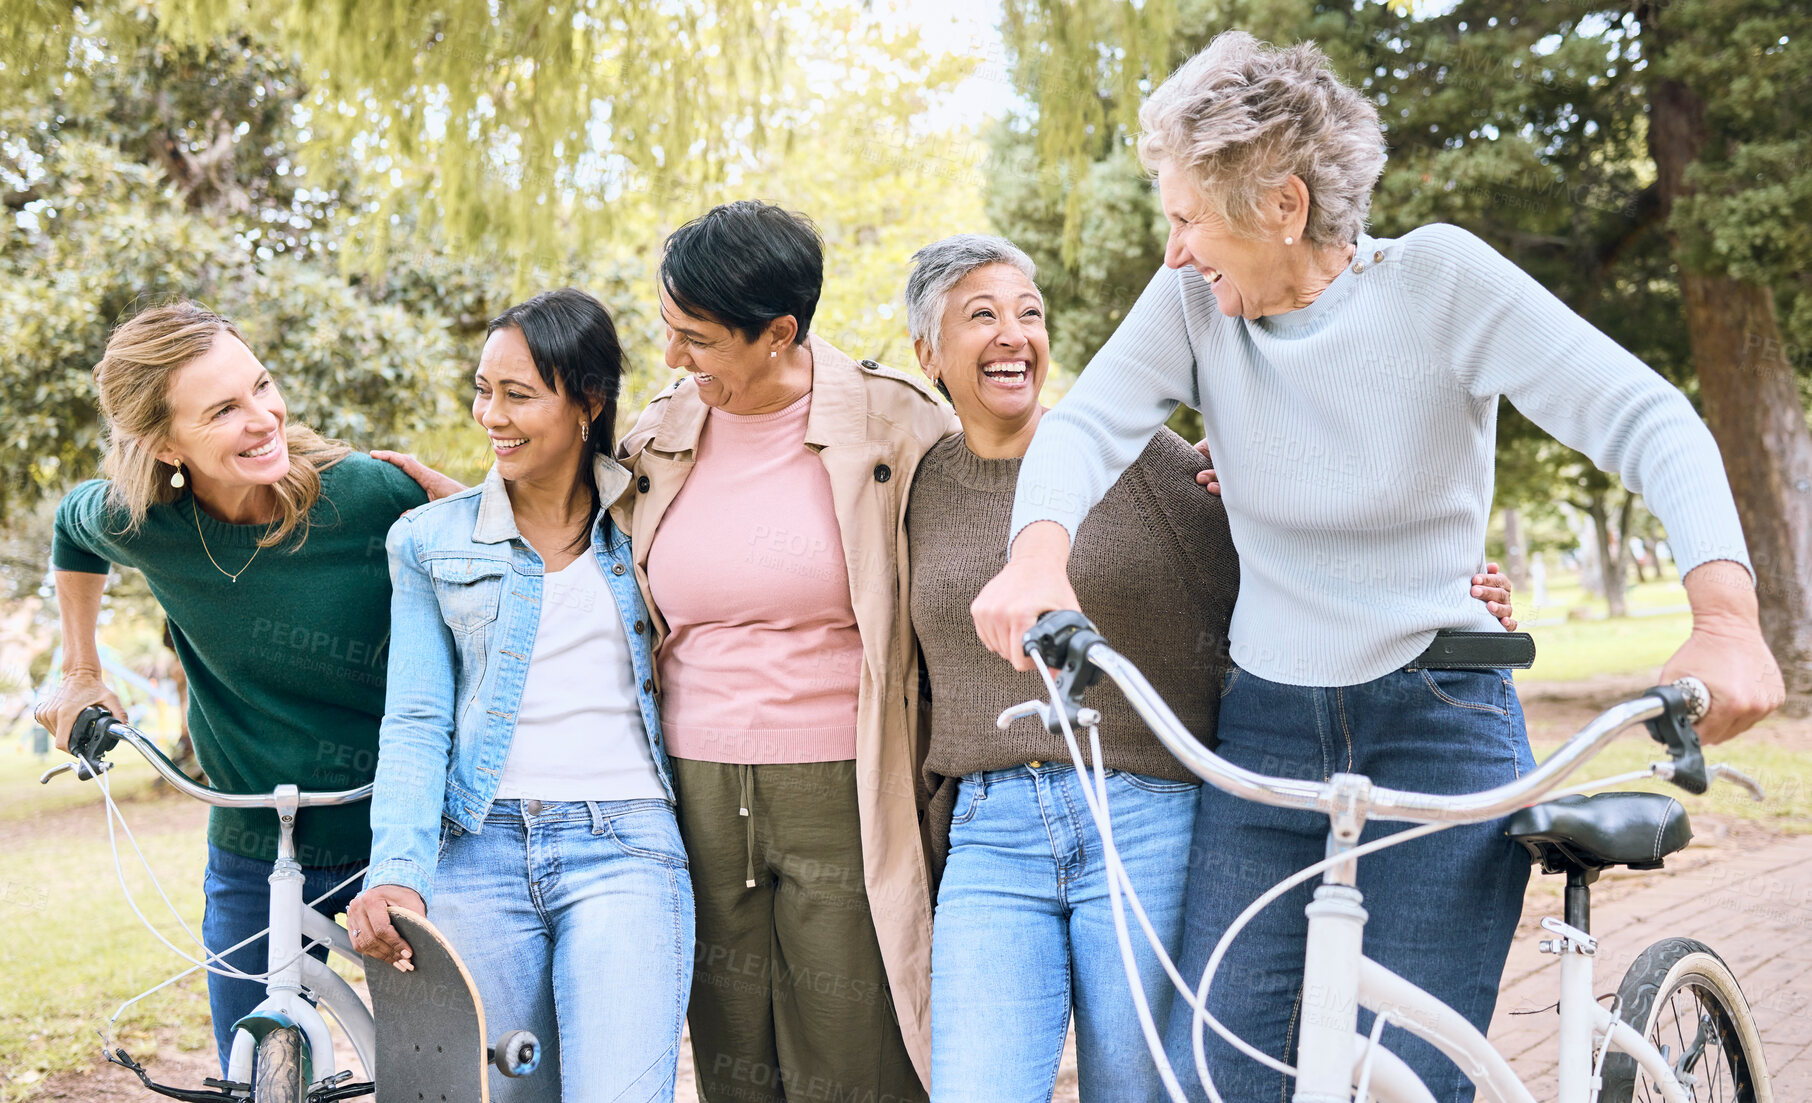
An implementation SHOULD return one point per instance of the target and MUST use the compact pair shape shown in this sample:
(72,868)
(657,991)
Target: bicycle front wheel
(279,1070)
(1681,996)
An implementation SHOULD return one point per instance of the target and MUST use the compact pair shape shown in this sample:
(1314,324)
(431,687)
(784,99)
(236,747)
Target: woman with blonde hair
(1349,387)
(264,543)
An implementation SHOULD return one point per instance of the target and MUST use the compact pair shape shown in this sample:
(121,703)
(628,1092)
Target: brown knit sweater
(1153,566)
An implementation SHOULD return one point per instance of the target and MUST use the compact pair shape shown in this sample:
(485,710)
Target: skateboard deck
(430,1022)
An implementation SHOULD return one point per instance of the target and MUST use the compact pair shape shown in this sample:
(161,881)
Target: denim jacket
(464,609)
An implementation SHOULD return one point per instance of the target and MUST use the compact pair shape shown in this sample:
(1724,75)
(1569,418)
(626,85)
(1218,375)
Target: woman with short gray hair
(1024,924)
(1349,388)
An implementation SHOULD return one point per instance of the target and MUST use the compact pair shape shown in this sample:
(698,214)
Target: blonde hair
(133,379)
(1243,115)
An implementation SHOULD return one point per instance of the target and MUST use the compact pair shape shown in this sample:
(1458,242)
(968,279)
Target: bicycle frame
(294,972)
(1340,979)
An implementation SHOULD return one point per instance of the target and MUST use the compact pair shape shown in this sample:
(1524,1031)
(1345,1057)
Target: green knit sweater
(286,665)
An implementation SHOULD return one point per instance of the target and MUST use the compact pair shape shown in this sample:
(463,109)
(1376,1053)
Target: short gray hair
(1243,115)
(940,266)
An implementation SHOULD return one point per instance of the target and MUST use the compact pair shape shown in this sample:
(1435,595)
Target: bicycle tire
(1684,1000)
(279,1073)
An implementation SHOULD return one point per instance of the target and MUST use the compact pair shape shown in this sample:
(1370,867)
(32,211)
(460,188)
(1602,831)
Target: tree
(123,195)
(139,166)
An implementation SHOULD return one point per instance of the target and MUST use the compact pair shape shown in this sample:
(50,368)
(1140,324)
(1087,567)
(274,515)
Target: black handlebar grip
(1062,639)
(1053,633)
(1673,730)
(92,735)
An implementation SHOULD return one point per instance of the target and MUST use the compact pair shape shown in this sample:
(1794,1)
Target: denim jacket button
(618,569)
(647,685)
(640,627)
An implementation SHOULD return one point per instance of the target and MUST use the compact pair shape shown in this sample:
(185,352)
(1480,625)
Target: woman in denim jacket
(522,797)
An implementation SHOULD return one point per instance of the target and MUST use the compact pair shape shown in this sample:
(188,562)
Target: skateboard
(430,1024)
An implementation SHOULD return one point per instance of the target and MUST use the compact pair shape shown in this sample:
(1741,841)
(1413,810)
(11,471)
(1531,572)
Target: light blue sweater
(1355,439)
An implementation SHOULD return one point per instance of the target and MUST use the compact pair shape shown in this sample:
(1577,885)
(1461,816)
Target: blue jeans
(1442,909)
(1025,928)
(575,919)
(238,894)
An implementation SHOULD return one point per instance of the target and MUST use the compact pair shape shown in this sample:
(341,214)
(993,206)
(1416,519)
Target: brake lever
(1061,640)
(84,770)
(1020,712)
(1720,771)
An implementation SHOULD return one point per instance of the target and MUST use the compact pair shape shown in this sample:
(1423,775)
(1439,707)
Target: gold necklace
(195,511)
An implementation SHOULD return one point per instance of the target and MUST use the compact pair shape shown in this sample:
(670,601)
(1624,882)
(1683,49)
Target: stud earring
(1289,241)
(772,354)
(176,479)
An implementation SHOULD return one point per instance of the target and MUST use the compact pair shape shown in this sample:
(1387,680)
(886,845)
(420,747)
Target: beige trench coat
(870,426)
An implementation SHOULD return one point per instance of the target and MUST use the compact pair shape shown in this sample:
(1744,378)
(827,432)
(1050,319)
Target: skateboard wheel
(517,1053)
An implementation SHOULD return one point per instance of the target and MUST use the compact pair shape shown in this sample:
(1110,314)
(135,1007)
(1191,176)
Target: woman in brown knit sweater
(1024,928)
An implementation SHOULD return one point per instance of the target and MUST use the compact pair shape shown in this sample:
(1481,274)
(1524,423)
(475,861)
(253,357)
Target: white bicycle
(1679,1030)
(282,1051)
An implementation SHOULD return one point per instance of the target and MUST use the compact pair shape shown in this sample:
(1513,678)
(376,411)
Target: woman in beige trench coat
(770,488)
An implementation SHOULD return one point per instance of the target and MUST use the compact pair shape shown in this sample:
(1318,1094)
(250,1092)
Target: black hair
(744,264)
(574,346)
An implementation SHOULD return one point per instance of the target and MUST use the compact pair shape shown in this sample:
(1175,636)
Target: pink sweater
(763,662)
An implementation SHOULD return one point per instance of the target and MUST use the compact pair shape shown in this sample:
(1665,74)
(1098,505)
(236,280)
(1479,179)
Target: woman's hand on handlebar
(1034,582)
(1726,652)
(368,921)
(79,689)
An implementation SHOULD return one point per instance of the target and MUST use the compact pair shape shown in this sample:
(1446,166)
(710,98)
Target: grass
(1784,773)
(1584,648)
(74,950)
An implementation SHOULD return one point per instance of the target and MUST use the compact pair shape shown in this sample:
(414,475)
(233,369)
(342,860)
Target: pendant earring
(176,479)
(585,430)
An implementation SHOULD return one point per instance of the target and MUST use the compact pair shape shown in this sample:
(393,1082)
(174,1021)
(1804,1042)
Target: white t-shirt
(579,732)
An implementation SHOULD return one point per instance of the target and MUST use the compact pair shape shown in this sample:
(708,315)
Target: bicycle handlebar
(96,732)
(1068,643)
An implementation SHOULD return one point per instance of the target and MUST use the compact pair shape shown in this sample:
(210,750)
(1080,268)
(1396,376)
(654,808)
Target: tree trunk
(1626,556)
(1610,566)
(1746,386)
(1516,556)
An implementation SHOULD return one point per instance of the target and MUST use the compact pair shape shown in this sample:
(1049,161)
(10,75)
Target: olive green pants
(790,1000)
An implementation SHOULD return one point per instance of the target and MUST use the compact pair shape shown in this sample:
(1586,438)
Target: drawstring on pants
(745,779)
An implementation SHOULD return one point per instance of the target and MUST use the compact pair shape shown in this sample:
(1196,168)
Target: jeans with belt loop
(1442,908)
(575,918)
(1025,929)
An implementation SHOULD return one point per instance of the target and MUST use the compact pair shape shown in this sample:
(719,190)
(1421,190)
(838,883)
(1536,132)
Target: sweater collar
(496,522)
(1330,297)
(952,458)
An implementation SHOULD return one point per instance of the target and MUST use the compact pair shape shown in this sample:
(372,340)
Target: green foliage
(518,124)
(105,243)
(146,157)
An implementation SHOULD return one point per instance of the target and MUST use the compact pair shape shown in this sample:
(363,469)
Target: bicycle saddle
(1636,830)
